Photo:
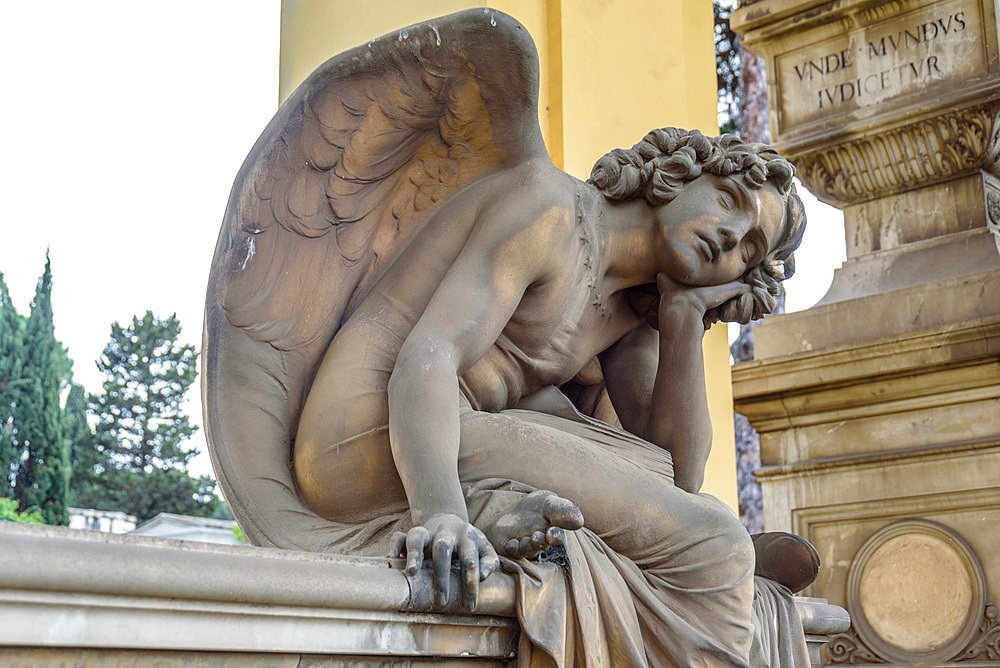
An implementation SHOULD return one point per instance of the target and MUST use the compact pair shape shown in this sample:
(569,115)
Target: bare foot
(533,524)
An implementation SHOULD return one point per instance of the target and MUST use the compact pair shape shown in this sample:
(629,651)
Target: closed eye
(727,200)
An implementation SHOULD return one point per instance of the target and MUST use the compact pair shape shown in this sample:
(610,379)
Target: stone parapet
(71,589)
(102,599)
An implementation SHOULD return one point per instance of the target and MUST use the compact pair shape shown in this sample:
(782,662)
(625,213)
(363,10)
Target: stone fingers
(489,561)
(468,555)
(513,548)
(416,543)
(562,512)
(396,545)
(442,550)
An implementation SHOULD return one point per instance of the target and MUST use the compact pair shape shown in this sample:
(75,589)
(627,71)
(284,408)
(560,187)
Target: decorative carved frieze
(986,647)
(992,187)
(848,649)
(909,156)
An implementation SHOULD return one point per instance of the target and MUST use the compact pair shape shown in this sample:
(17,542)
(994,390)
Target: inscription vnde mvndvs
(885,79)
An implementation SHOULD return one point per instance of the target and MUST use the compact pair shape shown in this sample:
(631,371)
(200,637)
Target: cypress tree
(87,463)
(42,477)
(11,354)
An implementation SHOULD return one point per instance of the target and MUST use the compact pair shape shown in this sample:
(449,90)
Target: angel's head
(747,191)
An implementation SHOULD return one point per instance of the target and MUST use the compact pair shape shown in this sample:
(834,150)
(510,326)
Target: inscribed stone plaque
(899,55)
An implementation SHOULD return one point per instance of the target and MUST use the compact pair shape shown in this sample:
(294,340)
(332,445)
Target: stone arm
(656,380)
(462,320)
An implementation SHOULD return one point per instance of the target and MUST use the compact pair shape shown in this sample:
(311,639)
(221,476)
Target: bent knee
(725,535)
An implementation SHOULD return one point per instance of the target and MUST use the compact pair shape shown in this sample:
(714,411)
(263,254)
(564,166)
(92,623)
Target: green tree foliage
(41,479)
(11,361)
(9,513)
(141,463)
(148,494)
(50,456)
(88,464)
(140,423)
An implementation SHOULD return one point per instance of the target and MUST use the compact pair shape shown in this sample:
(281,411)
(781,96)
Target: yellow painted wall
(611,70)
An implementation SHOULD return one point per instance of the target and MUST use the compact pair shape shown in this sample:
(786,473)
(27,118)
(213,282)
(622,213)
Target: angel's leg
(624,487)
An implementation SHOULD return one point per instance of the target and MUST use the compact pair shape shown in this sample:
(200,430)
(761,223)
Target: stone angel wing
(339,182)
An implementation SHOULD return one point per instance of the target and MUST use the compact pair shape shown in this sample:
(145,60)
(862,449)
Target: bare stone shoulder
(530,207)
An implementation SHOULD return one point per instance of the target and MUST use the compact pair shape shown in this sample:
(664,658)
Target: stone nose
(731,232)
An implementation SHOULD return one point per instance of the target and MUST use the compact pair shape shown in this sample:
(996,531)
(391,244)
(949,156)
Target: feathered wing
(339,182)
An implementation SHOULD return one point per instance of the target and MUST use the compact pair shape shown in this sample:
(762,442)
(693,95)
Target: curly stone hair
(658,167)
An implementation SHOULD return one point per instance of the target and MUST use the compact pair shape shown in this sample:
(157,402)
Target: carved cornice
(913,155)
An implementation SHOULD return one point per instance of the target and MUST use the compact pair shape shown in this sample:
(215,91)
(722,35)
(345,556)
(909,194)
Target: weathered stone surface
(85,657)
(78,598)
(871,99)
(404,286)
(888,53)
(882,403)
(64,588)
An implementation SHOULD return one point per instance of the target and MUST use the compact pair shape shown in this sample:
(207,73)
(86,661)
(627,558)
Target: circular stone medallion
(916,592)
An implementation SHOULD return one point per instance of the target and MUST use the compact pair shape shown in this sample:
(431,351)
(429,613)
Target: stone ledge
(65,588)
(859,362)
(136,597)
(82,657)
(897,314)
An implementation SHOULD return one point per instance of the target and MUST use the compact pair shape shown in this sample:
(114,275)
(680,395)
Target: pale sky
(124,125)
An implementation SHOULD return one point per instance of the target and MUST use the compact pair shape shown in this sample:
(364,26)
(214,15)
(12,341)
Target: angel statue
(406,299)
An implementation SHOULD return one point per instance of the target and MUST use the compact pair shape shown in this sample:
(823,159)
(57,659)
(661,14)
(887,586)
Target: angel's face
(717,229)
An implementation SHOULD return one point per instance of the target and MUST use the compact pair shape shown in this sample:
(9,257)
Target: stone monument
(879,408)
(351,209)
(406,293)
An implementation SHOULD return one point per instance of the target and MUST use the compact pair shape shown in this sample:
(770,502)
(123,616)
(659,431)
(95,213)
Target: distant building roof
(187,527)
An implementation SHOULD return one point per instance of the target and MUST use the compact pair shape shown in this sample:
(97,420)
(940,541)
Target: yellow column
(611,70)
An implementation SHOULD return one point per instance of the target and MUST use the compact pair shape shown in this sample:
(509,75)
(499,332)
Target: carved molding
(993,202)
(848,649)
(986,647)
(933,538)
(904,158)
